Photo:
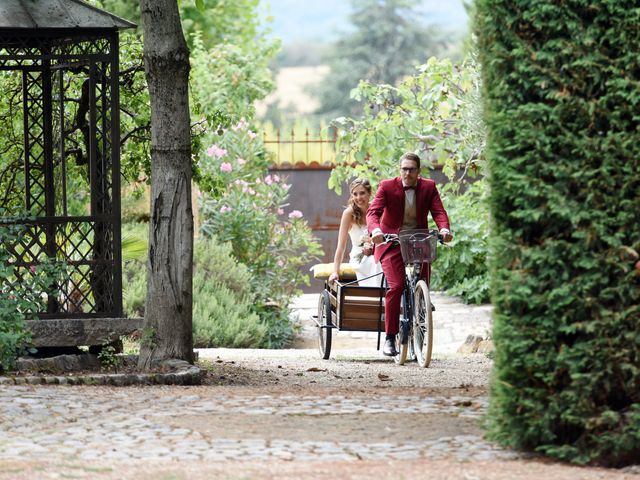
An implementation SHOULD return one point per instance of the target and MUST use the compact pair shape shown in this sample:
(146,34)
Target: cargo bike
(346,306)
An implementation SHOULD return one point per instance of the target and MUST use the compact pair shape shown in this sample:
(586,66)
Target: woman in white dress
(354,224)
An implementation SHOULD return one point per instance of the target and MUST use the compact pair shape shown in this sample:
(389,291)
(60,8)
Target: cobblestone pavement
(278,414)
(103,423)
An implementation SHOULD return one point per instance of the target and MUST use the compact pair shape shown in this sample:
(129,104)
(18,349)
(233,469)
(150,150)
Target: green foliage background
(562,102)
(436,113)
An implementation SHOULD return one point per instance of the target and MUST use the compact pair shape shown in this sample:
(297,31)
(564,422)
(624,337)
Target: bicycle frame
(413,269)
(408,302)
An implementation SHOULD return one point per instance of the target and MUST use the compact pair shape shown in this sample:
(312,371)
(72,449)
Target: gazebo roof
(64,14)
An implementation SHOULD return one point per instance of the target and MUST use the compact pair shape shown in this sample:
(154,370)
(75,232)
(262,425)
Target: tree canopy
(388,40)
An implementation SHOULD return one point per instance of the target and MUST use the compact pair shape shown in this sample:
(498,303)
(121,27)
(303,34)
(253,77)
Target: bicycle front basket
(418,246)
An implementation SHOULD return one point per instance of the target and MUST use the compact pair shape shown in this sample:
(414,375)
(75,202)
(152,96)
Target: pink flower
(225,209)
(258,181)
(241,125)
(280,263)
(280,211)
(241,161)
(252,134)
(295,214)
(226,167)
(216,151)
(268,180)
(32,268)
(286,186)
(276,178)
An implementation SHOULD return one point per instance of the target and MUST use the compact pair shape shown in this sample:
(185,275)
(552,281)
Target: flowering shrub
(243,205)
(226,159)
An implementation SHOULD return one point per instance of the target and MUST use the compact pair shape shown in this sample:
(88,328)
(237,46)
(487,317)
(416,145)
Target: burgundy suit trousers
(394,272)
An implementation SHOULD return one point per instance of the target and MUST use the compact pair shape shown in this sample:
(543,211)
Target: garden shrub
(223,300)
(461,267)
(225,311)
(135,288)
(561,81)
(222,319)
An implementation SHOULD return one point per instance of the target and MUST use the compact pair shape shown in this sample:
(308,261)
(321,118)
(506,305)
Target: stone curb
(181,373)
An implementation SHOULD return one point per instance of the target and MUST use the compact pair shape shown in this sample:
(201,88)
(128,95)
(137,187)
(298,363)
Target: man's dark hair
(411,156)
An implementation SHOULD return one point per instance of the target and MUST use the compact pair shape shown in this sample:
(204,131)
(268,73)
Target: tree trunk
(167,329)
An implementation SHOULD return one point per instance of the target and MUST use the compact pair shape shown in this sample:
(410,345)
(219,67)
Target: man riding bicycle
(402,203)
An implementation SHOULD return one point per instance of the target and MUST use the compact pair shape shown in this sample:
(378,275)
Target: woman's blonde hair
(356,214)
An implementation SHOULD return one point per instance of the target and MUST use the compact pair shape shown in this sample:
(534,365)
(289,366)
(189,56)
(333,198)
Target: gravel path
(350,368)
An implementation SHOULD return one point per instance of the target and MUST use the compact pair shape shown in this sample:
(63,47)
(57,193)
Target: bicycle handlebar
(395,238)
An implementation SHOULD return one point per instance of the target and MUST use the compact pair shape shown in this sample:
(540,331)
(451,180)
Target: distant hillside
(290,94)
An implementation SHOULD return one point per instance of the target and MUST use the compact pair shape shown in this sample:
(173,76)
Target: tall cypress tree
(388,40)
(562,100)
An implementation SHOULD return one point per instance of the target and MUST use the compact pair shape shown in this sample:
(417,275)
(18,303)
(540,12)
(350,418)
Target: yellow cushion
(323,270)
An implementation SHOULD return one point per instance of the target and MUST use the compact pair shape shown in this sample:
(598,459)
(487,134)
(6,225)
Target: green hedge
(562,100)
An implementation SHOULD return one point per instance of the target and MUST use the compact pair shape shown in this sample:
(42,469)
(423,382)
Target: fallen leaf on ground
(383,378)
(316,369)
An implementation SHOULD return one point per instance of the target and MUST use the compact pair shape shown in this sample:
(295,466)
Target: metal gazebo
(59,75)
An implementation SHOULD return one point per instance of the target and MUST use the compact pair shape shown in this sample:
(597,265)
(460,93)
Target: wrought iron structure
(59,68)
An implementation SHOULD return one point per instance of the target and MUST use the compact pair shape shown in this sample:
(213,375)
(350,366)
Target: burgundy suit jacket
(386,212)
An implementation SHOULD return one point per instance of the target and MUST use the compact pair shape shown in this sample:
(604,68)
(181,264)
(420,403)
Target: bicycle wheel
(402,338)
(411,352)
(324,319)
(402,349)
(423,325)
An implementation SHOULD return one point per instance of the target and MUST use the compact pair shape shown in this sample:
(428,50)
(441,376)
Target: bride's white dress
(367,266)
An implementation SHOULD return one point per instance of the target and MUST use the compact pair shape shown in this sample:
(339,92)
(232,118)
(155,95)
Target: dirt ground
(312,470)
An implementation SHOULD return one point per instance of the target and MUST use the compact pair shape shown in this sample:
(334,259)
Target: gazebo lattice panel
(66,80)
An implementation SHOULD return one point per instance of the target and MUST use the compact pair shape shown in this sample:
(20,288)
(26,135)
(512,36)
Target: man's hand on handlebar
(377,238)
(445,235)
